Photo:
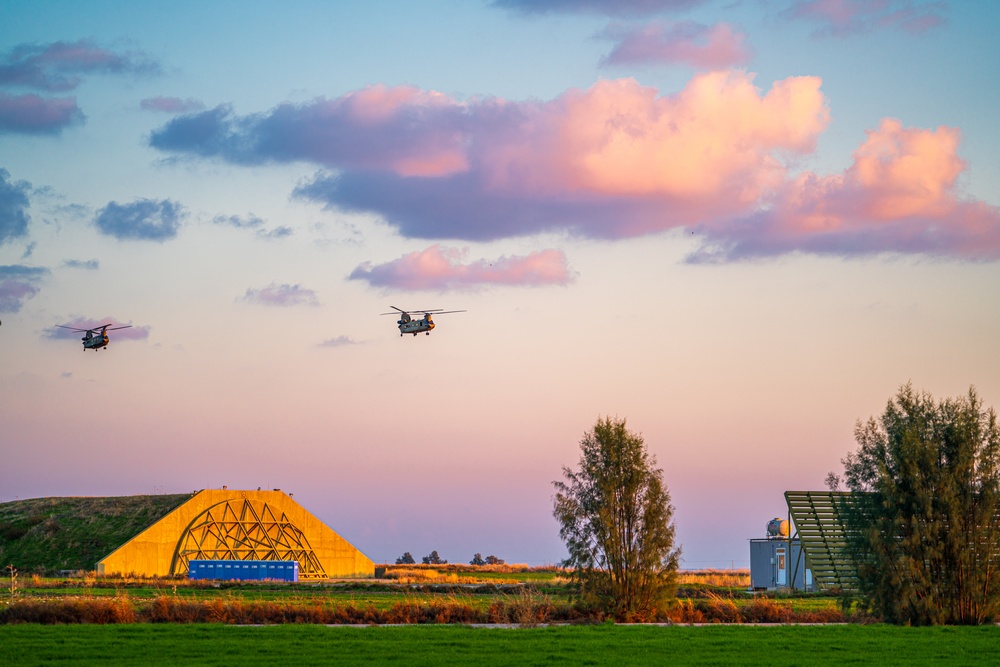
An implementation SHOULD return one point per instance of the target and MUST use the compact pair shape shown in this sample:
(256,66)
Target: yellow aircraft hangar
(222,524)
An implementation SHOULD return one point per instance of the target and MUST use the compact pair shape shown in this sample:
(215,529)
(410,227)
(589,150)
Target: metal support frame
(241,529)
(791,536)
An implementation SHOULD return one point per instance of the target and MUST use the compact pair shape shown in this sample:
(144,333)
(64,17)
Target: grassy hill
(44,535)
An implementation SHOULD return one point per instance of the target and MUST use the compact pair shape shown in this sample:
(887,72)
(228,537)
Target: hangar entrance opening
(244,529)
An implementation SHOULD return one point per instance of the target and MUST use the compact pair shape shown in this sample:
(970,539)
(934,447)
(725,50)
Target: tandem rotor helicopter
(92,340)
(408,325)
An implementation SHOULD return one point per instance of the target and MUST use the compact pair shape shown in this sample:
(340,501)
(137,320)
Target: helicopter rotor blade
(422,311)
(103,327)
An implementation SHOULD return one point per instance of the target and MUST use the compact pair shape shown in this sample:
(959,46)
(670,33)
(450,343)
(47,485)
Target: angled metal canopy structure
(819,525)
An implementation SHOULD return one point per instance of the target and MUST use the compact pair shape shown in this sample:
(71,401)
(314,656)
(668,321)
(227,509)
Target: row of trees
(434,559)
(489,560)
(430,559)
(923,520)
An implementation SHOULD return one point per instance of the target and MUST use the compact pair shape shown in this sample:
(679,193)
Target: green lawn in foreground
(456,645)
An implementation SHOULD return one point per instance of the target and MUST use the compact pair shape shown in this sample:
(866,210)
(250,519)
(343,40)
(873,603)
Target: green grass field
(122,622)
(212,644)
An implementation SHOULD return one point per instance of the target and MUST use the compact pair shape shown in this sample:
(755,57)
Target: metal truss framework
(241,529)
(819,525)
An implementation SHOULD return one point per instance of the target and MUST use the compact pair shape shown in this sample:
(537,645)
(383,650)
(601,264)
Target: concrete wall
(152,552)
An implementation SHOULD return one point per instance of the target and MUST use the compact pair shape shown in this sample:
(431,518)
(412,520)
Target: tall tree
(615,517)
(925,517)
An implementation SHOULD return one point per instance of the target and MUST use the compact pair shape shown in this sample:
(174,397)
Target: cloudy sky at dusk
(739,224)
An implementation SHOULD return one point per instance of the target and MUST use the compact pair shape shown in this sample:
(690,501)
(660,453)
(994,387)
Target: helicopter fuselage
(95,342)
(410,326)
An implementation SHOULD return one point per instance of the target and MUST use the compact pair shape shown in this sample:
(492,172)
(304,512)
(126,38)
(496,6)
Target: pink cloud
(32,114)
(839,18)
(441,268)
(615,139)
(402,129)
(899,172)
(78,56)
(55,66)
(898,195)
(281,295)
(612,161)
(619,138)
(171,104)
(18,283)
(13,294)
(705,47)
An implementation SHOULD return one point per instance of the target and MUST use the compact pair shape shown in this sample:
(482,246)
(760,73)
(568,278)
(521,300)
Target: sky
(740,225)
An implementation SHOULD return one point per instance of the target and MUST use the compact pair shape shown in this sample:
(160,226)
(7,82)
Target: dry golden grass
(720,578)
(457,573)
(420,575)
(429,575)
(468,574)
